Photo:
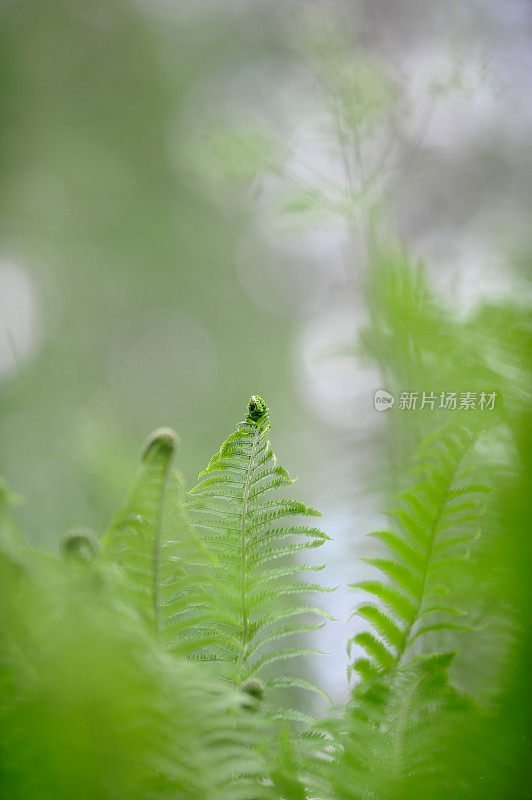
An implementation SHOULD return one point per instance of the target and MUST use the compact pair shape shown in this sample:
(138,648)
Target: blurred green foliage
(91,707)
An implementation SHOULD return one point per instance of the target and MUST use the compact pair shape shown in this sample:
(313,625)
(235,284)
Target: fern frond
(438,514)
(150,540)
(253,549)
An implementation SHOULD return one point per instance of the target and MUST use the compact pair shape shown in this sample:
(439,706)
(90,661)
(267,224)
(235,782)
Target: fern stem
(432,539)
(157,540)
(243,573)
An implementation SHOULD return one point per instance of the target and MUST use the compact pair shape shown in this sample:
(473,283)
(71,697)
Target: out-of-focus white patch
(336,386)
(18,318)
(292,273)
(469,270)
(452,97)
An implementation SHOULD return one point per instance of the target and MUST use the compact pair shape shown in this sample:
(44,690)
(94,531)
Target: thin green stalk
(157,539)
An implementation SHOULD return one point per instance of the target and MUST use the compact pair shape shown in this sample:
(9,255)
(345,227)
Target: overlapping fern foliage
(213,579)
(409,733)
(208,577)
(120,663)
(91,705)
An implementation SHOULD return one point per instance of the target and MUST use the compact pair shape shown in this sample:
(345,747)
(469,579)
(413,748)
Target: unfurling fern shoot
(137,539)
(252,600)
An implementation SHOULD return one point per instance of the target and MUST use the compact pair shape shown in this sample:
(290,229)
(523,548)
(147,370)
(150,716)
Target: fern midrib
(433,532)
(243,572)
(157,541)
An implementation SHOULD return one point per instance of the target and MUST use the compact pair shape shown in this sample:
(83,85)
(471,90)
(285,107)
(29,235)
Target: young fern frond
(435,521)
(150,540)
(254,550)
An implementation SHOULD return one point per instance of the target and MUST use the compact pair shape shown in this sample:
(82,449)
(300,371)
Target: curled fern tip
(257,409)
(163,441)
(254,687)
(79,545)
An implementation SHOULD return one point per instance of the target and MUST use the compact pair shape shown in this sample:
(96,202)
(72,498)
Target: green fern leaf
(439,513)
(149,539)
(246,535)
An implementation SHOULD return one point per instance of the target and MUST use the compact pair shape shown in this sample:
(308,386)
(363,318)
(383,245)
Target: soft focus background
(183,223)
